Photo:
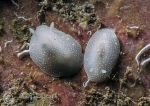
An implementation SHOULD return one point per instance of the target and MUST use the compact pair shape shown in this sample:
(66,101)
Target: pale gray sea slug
(55,52)
(101,54)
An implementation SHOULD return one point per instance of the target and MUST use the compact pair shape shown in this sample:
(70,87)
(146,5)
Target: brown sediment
(131,13)
(20,30)
(114,8)
(1,27)
(22,91)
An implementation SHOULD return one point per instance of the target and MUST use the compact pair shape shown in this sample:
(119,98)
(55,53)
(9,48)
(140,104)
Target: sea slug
(101,54)
(55,52)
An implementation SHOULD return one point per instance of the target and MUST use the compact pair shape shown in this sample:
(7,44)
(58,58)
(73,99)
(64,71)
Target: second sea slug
(101,55)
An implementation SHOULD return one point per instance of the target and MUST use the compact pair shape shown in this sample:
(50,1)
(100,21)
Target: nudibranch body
(101,55)
(55,52)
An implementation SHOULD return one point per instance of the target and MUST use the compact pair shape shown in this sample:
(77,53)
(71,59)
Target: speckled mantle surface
(112,14)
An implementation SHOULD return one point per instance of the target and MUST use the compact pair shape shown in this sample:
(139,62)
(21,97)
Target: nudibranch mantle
(55,52)
(101,55)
